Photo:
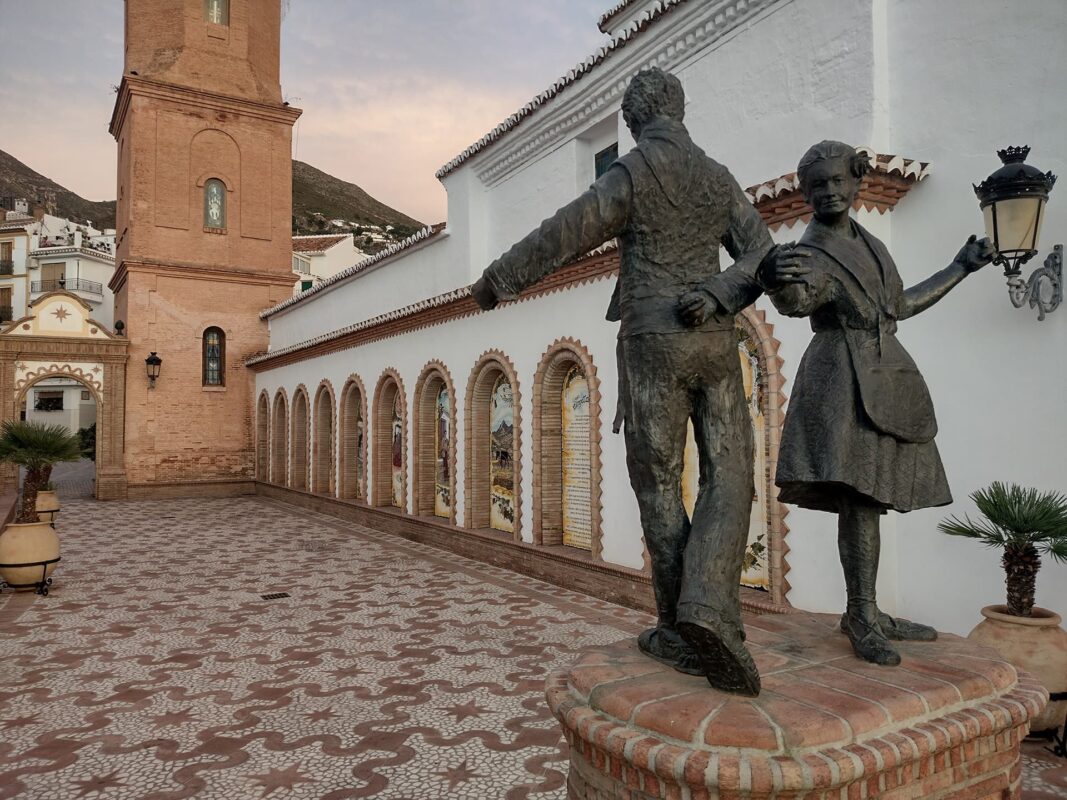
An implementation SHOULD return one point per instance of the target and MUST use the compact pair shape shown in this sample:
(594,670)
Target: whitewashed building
(386,389)
(317,257)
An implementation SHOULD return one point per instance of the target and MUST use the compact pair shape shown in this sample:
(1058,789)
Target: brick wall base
(945,725)
(166,491)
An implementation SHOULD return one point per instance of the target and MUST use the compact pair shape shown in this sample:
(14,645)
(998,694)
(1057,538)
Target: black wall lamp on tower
(152,365)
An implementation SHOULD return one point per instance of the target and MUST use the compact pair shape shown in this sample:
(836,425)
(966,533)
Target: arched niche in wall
(323,455)
(263,437)
(566,419)
(434,429)
(353,440)
(493,446)
(298,456)
(279,440)
(757,350)
(390,442)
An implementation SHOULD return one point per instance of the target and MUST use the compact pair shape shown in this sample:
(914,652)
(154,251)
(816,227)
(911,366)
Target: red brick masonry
(946,724)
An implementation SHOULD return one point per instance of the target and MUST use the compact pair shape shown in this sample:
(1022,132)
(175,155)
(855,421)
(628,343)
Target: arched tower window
(217,11)
(215,204)
(214,357)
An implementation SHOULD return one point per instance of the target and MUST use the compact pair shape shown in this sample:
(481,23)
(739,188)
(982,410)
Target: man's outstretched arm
(747,241)
(582,225)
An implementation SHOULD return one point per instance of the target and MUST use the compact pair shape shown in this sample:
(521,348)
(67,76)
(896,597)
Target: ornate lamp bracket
(1044,289)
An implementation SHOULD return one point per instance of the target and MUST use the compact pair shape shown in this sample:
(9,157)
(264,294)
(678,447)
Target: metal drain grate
(275,595)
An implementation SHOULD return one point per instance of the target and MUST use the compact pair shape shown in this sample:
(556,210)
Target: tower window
(215,204)
(217,11)
(214,357)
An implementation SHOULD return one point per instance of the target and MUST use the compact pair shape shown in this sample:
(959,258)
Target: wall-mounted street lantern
(1013,200)
(152,365)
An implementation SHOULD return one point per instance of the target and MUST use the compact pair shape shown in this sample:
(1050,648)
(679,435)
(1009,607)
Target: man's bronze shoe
(897,629)
(728,665)
(667,647)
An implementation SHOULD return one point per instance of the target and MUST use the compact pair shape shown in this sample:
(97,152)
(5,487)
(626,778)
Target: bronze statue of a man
(672,207)
(859,435)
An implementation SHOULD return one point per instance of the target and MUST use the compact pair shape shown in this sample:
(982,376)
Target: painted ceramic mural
(501,457)
(755,574)
(398,456)
(577,466)
(442,496)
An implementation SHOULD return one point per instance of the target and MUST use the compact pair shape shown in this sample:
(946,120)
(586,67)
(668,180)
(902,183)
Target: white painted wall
(947,82)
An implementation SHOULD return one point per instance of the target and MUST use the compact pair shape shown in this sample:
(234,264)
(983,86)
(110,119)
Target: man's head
(652,94)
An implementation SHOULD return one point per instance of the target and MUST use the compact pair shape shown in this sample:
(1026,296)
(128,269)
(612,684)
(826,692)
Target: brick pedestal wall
(945,725)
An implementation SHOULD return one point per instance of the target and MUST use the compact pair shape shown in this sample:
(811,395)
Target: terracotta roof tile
(618,8)
(318,243)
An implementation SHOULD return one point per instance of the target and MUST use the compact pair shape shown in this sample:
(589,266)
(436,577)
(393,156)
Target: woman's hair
(654,93)
(858,163)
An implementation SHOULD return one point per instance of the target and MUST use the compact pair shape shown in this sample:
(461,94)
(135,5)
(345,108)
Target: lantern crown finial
(1014,155)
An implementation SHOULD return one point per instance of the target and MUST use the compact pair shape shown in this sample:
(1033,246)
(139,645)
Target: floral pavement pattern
(156,669)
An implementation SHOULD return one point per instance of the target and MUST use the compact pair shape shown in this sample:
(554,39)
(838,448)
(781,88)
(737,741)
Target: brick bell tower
(204,220)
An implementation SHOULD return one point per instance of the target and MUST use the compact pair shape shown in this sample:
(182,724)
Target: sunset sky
(391,90)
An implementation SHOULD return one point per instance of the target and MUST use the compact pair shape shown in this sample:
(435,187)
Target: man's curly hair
(654,93)
(858,163)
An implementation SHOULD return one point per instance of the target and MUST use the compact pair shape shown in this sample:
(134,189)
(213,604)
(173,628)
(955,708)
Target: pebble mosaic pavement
(155,669)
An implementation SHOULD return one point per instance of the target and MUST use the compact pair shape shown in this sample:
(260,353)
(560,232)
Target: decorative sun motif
(61,314)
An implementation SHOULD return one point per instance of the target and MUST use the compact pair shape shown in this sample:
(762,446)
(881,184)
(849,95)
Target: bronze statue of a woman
(859,435)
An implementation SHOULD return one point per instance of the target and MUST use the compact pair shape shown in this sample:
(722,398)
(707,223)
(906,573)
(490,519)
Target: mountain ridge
(318,198)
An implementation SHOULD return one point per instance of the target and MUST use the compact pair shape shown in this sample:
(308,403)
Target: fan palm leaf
(36,447)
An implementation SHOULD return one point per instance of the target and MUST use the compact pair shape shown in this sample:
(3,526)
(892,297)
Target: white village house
(317,257)
(491,432)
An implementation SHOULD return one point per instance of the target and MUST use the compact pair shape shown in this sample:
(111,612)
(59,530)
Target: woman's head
(830,175)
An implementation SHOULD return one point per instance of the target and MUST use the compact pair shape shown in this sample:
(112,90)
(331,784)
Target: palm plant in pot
(1025,524)
(29,548)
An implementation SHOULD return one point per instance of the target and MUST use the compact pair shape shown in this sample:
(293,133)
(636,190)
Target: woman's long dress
(860,425)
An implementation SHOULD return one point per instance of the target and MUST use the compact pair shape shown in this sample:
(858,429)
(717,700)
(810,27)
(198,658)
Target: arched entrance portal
(71,403)
(58,339)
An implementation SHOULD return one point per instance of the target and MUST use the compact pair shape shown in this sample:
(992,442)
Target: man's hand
(975,254)
(696,307)
(483,294)
(783,264)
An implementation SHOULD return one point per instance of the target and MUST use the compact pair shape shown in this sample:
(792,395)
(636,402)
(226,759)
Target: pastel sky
(391,89)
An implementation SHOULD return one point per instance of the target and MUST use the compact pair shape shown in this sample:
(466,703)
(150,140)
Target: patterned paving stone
(156,670)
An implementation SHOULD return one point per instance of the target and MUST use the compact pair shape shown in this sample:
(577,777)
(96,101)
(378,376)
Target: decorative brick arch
(490,365)
(279,439)
(555,364)
(324,453)
(390,388)
(299,441)
(434,377)
(753,323)
(352,479)
(263,436)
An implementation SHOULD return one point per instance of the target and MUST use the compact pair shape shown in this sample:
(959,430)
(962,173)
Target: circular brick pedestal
(946,723)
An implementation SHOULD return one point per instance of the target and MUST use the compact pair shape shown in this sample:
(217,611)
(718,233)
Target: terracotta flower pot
(47,505)
(1036,644)
(27,543)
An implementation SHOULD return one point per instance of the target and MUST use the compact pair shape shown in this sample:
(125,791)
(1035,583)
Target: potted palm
(1026,525)
(29,548)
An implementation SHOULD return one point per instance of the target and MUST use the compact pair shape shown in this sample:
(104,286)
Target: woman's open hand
(783,264)
(975,254)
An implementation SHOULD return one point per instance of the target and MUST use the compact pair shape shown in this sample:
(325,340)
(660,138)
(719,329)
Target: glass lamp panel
(1017,225)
